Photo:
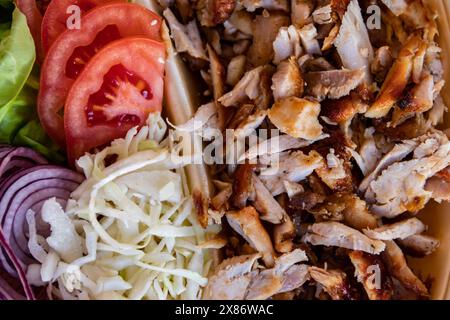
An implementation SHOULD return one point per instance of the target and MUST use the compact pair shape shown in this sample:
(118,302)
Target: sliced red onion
(7,292)
(23,153)
(22,277)
(16,192)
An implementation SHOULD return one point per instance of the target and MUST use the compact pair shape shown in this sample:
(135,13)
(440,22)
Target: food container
(437,216)
(181,95)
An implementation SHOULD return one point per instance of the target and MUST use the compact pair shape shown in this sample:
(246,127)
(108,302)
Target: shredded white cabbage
(129,231)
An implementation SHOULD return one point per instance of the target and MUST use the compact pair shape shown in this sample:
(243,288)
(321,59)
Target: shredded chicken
(252,5)
(398,230)
(231,278)
(339,235)
(236,69)
(334,282)
(353,43)
(396,80)
(293,167)
(401,187)
(297,117)
(287,44)
(308,37)
(265,29)
(287,81)
(419,245)
(333,84)
(398,267)
(186,37)
(264,202)
(246,222)
(370,271)
(301,11)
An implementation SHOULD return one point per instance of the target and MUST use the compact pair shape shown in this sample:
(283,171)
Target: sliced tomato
(118,89)
(55,19)
(33,11)
(74,48)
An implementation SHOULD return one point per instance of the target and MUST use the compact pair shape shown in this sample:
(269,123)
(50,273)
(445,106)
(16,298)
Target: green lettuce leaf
(17,56)
(19,85)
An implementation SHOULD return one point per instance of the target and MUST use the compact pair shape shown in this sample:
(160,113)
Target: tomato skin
(145,58)
(130,19)
(34,20)
(54,20)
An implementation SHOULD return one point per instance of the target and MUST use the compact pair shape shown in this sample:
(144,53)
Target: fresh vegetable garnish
(73,50)
(129,231)
(26,181)
(55,19)
(119,87)
(18,89)
(33,13)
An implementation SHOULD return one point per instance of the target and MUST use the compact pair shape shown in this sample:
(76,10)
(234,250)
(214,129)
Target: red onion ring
(24,153)
(14,192)
(22,277)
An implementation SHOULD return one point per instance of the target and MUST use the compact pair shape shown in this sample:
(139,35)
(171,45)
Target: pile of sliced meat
(328,208)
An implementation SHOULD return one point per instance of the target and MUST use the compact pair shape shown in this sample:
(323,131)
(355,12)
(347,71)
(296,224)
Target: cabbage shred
(129,231)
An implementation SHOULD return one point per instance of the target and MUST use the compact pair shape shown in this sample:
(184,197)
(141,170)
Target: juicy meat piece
(285,276)
(419,245)
(381,63)
(329,40)
(398,267)
(343,109)
(236,69)
(249,125)
(301,11)
(265,203)
(186,37)
(332,84)
(213,12)
(297,117)
(247,87)
(293,167)
(231,278)
(401,186)
(439,186)
(287,81)
(246,222)
(368,154)
(305,201)
(417,100)
(397,7)
(242,185)
(398,153)
(265,30)
(334,282)
(396,80)
(219,201)
(339,235)
(339,6)
(370,271)
(283,234)
(308,37)
(276,145)
(252,5)
(335,171)
(399,230)
(323,15)
(351,209)
(353,43)
(287,44)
